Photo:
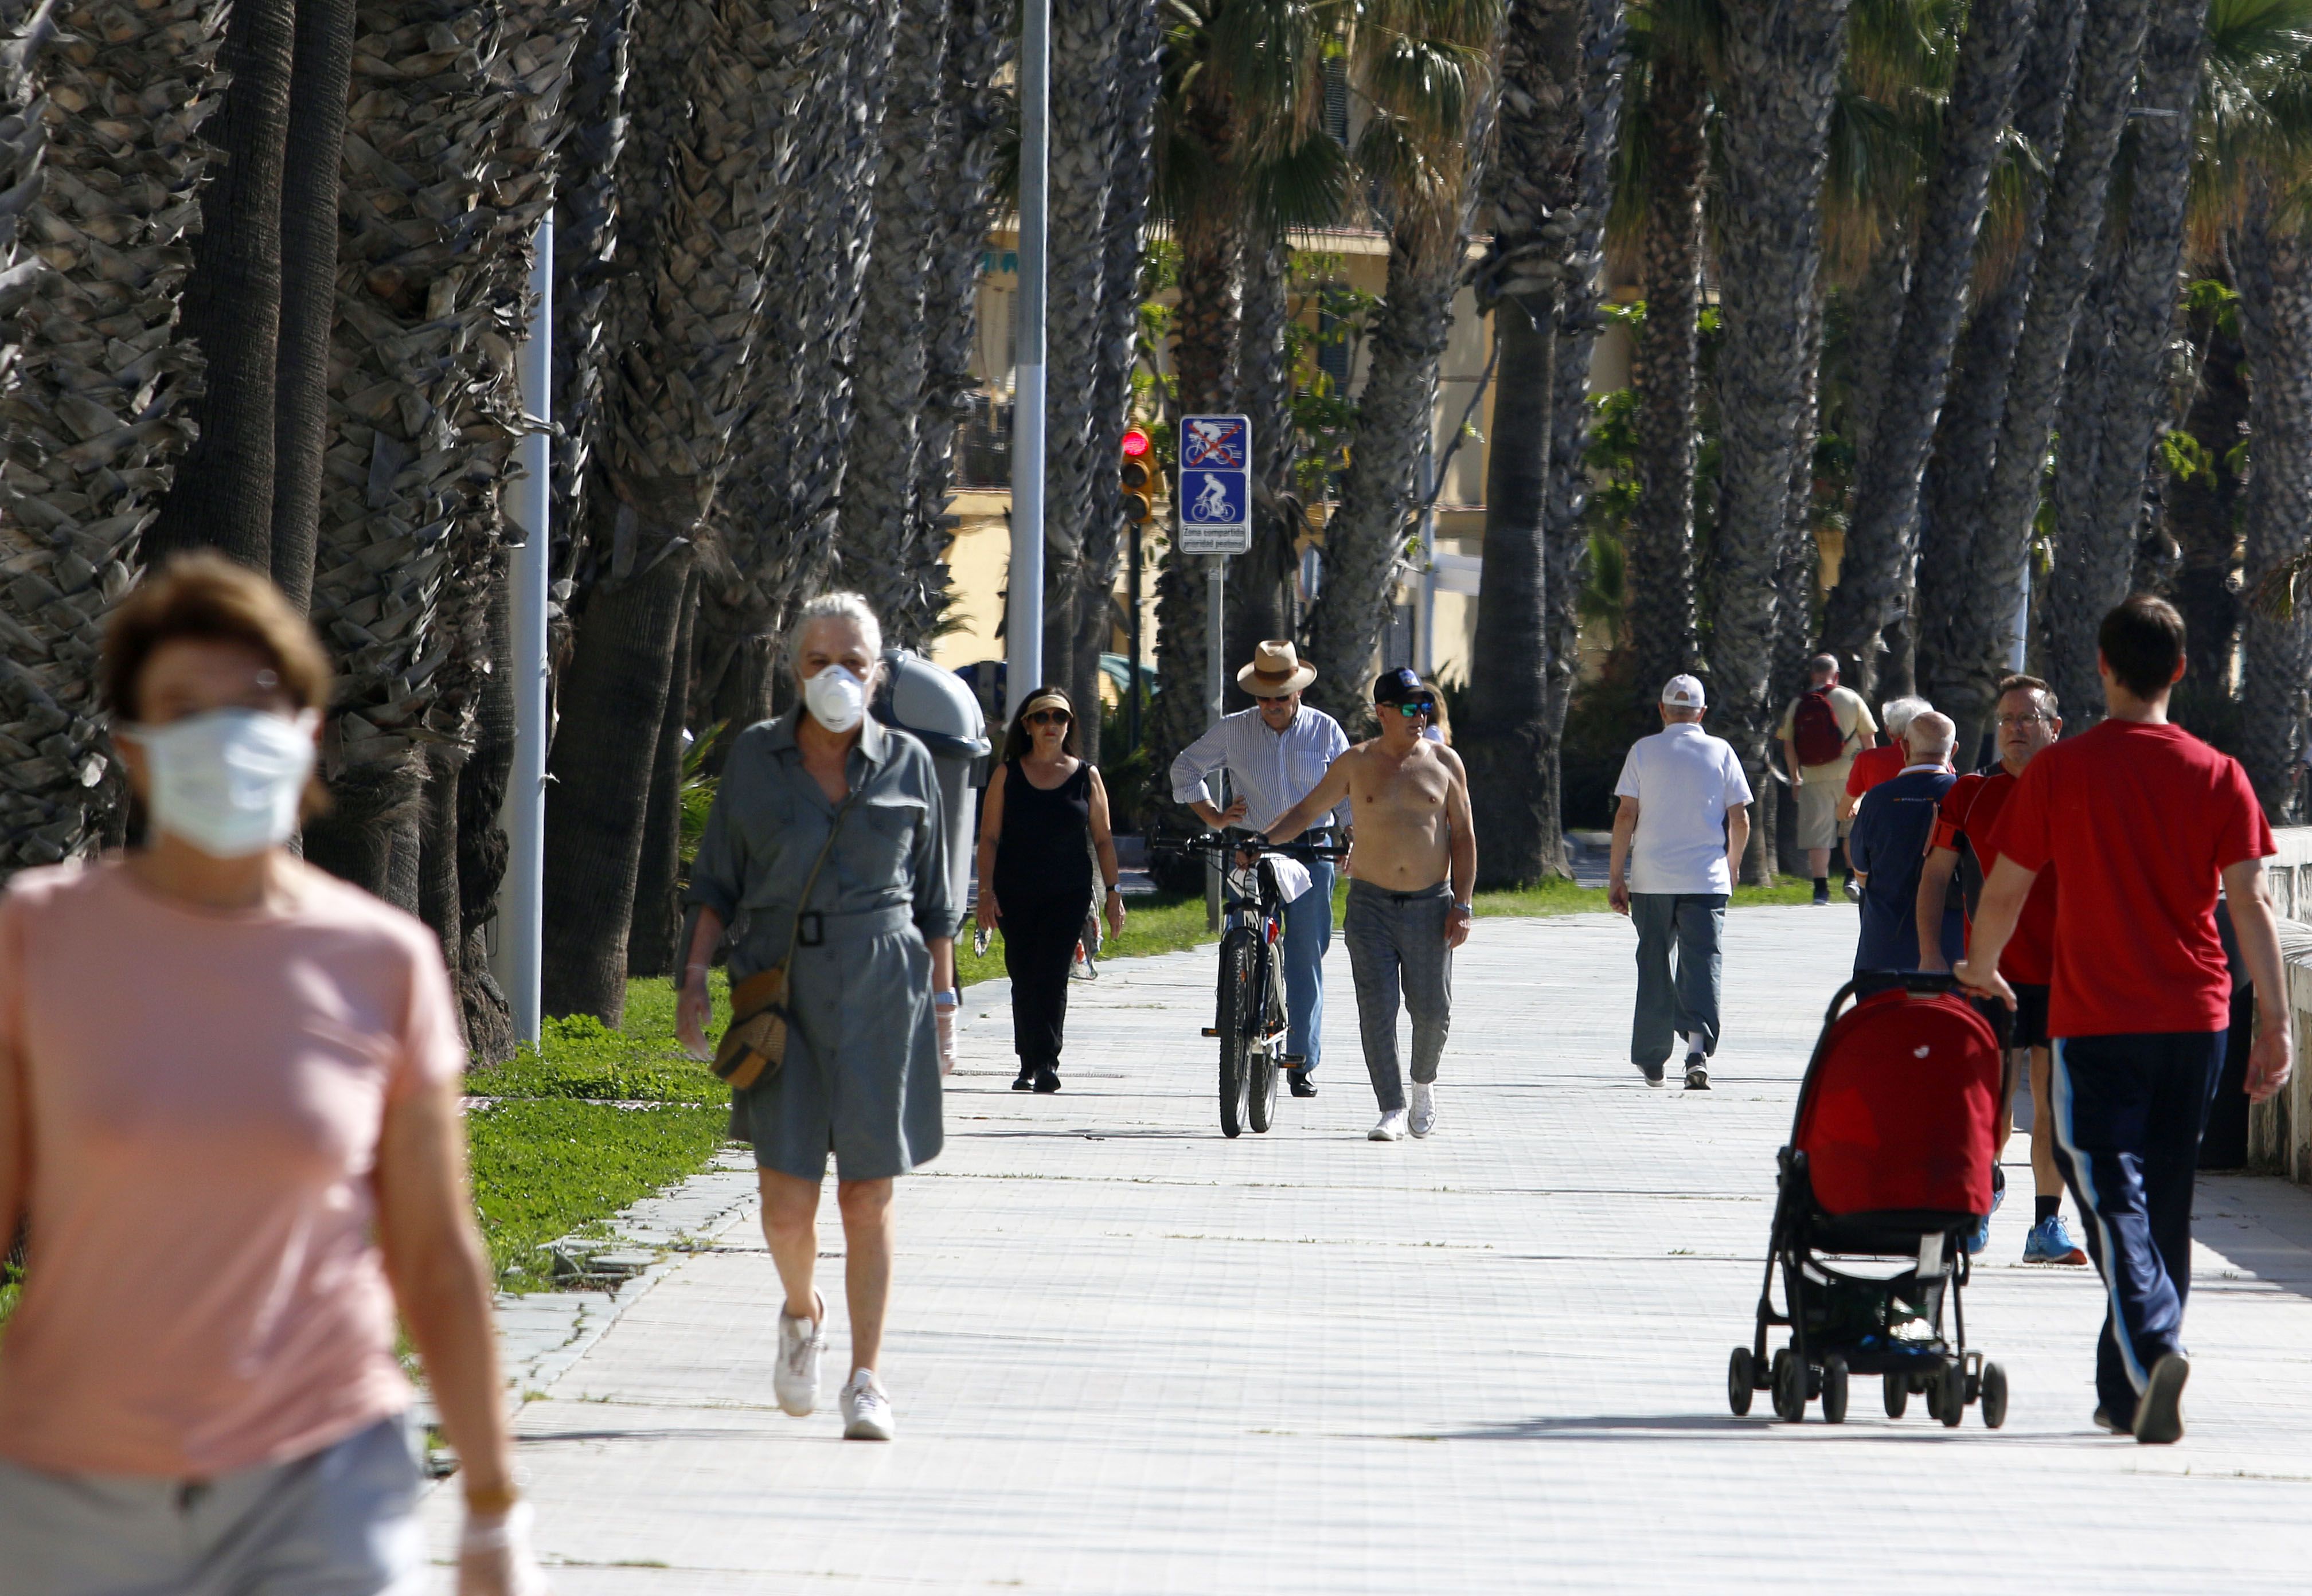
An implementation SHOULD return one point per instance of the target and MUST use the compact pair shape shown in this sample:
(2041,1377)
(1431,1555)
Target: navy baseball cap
(1395,686)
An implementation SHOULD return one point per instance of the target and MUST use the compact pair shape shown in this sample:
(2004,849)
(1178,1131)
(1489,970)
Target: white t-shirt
(1685,780)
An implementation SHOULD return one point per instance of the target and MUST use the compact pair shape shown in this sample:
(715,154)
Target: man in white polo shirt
(1684,817)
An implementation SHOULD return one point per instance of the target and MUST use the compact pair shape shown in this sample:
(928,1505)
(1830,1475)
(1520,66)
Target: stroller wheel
(1741,1379)
(1994,1395)
(1950,1395)
(1789,1386)
(1898,1394)
(1834,1390)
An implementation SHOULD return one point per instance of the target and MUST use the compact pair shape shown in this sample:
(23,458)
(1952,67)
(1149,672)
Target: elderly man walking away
(1886,761)
(1822,731)
(1274,752)
(1683,819)
(1411,805)
(1967,846)
(2143,822)
(1887,845)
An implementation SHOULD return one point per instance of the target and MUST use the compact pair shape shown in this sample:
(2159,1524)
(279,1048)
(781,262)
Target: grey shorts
(340,1522)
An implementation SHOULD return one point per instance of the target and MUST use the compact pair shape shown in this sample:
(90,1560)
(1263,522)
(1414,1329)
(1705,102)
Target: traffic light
(1139,476)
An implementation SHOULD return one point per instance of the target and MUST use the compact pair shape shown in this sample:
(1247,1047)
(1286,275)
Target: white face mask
(836,698)
(228,781)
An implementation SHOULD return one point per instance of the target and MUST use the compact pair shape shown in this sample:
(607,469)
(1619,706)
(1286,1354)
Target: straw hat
(1276,670)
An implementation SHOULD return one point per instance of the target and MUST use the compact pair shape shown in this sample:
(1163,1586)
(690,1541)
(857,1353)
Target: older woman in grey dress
(871,985)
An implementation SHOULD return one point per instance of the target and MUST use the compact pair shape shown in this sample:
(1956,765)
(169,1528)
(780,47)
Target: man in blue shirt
(1274,752)
(1888,848)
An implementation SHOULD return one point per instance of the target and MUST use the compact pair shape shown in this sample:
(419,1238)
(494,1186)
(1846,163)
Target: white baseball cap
(1682,692)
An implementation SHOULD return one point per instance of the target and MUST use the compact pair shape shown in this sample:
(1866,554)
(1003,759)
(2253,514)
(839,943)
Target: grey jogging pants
(1396,942)
(1684,1003)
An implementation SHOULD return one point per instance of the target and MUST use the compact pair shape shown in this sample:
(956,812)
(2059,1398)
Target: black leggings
(1040,946)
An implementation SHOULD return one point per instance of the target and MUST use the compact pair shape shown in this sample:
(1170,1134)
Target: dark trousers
(1673,1004)
(1039,947)
(2128,1112)
(1396,944)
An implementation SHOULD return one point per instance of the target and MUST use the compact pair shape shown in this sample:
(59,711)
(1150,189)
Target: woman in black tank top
(1042,830)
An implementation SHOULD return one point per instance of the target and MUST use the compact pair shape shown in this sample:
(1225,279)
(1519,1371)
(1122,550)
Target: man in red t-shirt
(1964,844)
(2141,821)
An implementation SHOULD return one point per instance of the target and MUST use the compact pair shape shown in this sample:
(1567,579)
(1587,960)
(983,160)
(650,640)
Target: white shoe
(1390,1129)
(1425,1109)
(866,1410)
(801,1341)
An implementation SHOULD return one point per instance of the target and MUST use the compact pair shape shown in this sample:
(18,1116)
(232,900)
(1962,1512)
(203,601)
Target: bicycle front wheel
(1234,1024)
(1260,1062)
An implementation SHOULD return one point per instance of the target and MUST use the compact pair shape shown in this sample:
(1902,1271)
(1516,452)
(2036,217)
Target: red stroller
(1890,1158)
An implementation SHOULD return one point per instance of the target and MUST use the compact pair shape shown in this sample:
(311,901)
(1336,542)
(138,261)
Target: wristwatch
(1468,909)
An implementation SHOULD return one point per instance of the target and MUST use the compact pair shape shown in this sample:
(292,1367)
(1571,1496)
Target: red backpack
(1815,730)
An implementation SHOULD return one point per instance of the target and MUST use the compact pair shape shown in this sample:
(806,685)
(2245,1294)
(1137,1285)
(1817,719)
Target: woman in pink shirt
(228,1121)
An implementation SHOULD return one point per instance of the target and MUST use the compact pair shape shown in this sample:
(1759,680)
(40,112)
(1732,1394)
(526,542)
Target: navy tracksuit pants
(2128,1112)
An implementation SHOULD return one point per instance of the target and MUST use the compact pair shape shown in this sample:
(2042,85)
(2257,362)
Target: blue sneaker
(2050,1241)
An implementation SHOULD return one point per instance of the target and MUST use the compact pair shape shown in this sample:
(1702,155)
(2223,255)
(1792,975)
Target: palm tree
(1781,74)
(222,496)
(100,375)
(1667,137)
(893,355)
(2271,251)
(1961,624)
(714,78)
(1881,534)
(909,587)
(2110,47)
(1426,70)
(1536,195)
(2126,349)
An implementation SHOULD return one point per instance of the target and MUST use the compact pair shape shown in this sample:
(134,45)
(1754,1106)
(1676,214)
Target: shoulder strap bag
(755,1045)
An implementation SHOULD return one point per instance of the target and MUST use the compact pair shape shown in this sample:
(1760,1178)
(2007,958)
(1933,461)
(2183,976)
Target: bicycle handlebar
(1229,847)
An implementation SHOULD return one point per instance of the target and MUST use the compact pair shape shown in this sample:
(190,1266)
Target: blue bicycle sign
(1215,497)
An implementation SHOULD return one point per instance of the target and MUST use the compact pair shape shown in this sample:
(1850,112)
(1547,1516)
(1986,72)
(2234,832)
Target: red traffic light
(1136,443)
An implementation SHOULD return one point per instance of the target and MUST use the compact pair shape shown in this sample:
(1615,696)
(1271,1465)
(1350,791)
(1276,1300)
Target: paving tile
(1131,1356)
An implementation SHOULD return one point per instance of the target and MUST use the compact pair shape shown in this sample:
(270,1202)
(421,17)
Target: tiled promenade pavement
(1130,1356)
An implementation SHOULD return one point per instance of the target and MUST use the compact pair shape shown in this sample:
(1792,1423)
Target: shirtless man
(1410,799)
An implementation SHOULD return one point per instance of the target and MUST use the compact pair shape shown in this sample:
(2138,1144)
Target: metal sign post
(1214,498)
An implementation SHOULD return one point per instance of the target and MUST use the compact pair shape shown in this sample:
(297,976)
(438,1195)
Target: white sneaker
(866,1410)
(801,1341)
(1425,1109)
(1390,1129)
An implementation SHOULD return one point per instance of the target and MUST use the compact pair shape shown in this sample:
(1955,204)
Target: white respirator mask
(228,781)
(837,699)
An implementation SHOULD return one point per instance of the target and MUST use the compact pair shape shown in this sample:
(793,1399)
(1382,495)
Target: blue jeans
(1307,937)
(2128,1112)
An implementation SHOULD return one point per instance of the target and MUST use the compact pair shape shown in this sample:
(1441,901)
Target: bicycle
(1251,1022)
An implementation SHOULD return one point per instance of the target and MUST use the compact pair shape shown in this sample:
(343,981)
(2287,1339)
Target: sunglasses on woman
(1050,718)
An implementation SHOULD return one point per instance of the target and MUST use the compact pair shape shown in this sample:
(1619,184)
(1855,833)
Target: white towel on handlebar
(1289,874)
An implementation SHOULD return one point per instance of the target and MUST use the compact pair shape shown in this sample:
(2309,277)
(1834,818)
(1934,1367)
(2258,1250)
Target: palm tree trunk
(2109,50)
(99,376)
(2273,261)
(975,131)
(876,538)
(657,923)
(717,81)
(2203,517)
(223,498)
(1658,574)
(2099,550)
(1882,535)
(1782,64)
(1087,41)
(1263,387)
(1957,620)
(1365,539)
(482,849)
(1138,74)
(2064,646)
(319,79)
(585,252)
